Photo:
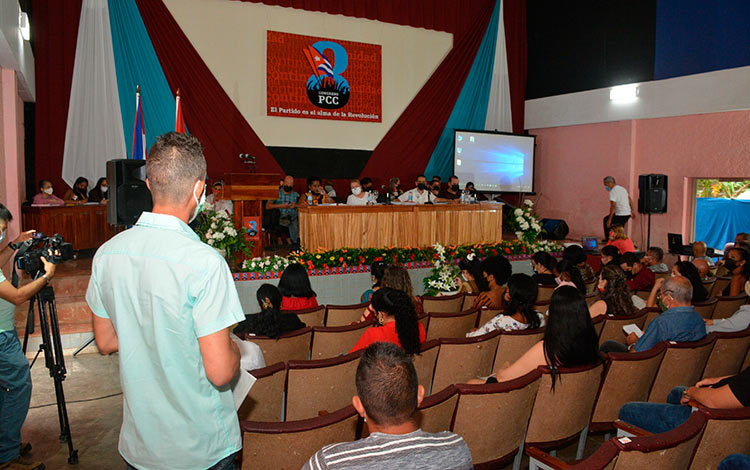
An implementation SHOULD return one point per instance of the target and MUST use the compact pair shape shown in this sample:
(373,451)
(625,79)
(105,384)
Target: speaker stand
(648,243)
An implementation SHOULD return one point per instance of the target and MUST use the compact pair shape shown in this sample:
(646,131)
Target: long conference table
(85,226)
(415,225)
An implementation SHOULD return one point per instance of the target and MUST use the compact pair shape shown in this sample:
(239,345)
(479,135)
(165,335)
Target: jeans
(613,346)
(294,227)
(616,220)
(15,394)
(657,417)
(735,462)
(227,463)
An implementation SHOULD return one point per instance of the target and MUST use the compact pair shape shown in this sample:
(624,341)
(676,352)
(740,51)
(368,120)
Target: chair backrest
(294,345)
(719,285)
(592,298)
(728,354)
(545,292)
(342,315)
(726,433)
(468,301)
(424,320)
(505,408)
(672,449)
(487,314)
(644,294)
(513,344)
(542,306)
(425,361)
(324,385)
(598,322)
(708,284)
(683,363)
(461,360)
(313,316)
(287,446)
(443,303)
(612,329)
(727,306)
(591,286)
(628,377)
(265,400)
(706,309)
(451,325)
(336,340)
(436,411)
(561,414)
(662,275)
(651,314)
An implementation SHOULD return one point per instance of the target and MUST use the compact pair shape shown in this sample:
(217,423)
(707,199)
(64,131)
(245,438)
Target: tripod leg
(29,323)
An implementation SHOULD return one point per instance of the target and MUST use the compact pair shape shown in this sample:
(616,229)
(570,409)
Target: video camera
(53,248)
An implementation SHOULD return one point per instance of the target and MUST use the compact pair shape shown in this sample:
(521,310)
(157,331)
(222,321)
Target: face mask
(463,276)
(357,191)
(421,186)
(2,237)
(608,188)
(105,189)
(454,187)
(200,203)
(328,188)
(730,264)
(287,189)
(47,191)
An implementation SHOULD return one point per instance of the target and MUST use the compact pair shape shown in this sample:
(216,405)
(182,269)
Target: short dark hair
(658,252)
(313,179)
(629,258)
(436,177)
(420,176)
(365,181)
(295,283)
(545,259)
(387,384)
(453,177)
(41,183)
(613,251)
(498,266)
(175,162)
(5,214)
(574,254)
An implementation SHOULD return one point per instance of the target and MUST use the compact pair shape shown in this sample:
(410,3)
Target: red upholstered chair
(463,359)
(288,445)
(503,409)
(443,303)
(343,315)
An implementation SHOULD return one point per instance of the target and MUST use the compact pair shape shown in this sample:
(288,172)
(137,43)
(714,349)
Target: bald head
(702,266)
(680,289)
(699,249)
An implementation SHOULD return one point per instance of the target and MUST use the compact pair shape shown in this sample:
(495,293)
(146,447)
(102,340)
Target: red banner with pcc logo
(318,78)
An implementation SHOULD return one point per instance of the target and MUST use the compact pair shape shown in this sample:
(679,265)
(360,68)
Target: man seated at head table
(388,395)
(453,191)
(420,194)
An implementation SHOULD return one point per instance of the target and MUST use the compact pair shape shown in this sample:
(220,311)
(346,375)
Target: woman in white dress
(358,197)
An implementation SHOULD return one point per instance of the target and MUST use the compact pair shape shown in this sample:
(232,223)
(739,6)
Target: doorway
(722,210)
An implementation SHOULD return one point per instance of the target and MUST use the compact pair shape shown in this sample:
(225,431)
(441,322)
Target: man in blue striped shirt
(387,398)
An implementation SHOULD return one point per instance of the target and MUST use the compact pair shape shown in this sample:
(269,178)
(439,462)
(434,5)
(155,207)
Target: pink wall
(12,180)
(571,162)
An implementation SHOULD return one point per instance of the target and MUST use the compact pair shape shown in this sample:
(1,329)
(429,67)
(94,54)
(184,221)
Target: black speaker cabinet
(652,194)
(556,229)
(129,195)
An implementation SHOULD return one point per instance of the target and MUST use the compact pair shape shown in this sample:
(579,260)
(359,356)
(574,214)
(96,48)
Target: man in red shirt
(639,277)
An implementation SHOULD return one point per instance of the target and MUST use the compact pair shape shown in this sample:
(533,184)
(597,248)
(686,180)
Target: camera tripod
(53,356)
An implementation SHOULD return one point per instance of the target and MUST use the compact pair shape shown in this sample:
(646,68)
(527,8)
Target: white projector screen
(493,161)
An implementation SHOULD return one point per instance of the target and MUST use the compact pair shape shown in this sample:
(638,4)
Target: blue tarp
(718,221)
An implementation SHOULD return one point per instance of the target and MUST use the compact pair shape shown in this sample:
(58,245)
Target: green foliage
(722,189)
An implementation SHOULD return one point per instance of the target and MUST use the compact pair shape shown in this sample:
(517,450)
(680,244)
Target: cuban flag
(319,63)
(139,132)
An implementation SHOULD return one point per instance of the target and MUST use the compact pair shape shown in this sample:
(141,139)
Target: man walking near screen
(620,206)
(165,300)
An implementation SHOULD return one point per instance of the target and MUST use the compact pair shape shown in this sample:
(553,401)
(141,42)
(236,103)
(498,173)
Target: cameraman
(15,379)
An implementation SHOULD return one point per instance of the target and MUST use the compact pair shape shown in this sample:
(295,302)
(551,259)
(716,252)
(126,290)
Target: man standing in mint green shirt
(15,379)
(165,301)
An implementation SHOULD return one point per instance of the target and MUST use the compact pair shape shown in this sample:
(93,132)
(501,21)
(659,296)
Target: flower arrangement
(525,222)
(217,229)
(268,264)
(443,277)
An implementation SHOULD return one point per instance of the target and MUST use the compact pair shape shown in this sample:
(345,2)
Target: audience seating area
(304,396)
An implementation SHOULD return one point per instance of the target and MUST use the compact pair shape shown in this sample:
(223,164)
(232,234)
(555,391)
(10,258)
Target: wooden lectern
(248,191)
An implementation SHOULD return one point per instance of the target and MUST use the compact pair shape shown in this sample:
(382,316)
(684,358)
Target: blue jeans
(657,417)
(294,227)
(227,463)
(15,394)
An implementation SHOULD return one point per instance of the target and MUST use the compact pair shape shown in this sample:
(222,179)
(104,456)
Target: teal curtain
(136,64)
(470,111)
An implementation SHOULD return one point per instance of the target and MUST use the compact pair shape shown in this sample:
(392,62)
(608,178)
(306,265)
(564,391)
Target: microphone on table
(387,194)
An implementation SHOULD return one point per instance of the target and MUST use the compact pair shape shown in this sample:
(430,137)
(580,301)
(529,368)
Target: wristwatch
(46,279)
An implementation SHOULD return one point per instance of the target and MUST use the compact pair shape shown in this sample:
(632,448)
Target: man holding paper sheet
(680,322)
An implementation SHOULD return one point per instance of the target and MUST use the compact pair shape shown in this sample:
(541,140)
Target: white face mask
(105,189)
(47,191)
(199,206)
(357,191)
(463,276)
(2,237)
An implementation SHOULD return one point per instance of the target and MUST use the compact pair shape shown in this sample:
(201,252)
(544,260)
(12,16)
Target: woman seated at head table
(100,193)
(45,196)
(79,193)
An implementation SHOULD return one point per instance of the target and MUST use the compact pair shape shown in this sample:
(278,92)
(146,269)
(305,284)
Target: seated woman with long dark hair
(100,193)
(397,322)
(543,265)
(472,281)
(377,270)
(519,313)
(78,194)
(616,297)
(568,274)
(569,340)
(610,255)
(270,321)
(687,270)
(396,277)
(295,288)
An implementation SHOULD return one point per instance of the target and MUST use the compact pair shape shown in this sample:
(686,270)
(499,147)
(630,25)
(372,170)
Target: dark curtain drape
(55,26)
(209,112)
(517,49)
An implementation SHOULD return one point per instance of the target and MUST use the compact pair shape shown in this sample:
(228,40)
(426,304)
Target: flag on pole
(179,121)
(139,132)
